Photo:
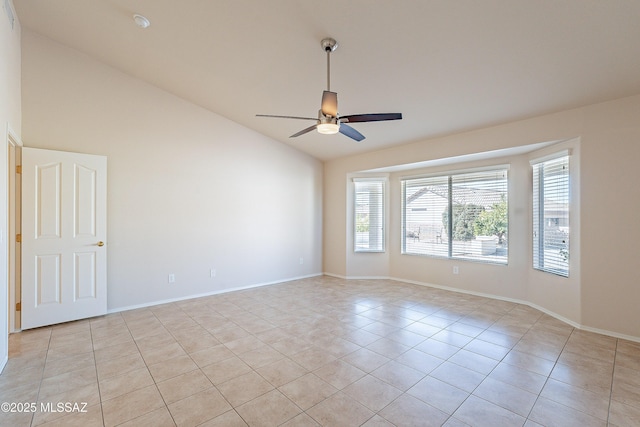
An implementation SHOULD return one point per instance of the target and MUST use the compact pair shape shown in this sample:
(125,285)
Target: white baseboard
(501,298)
(206,294)
(337,276)
(357,277)
(4,363)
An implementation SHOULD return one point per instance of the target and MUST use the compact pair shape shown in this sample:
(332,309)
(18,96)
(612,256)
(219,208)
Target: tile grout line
(555,363)
(44,366)
(95,364)
(487,375)
(613,372)
(147,367)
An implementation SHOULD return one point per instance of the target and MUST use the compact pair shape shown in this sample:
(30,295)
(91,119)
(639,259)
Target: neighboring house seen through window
(461,215)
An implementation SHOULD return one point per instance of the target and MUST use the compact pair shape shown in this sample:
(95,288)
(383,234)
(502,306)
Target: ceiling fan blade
(286,117)
(351,132)
(329,103)
(376,117)
(303,131)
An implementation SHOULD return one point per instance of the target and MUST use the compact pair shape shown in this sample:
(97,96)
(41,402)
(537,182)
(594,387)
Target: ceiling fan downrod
(329,45)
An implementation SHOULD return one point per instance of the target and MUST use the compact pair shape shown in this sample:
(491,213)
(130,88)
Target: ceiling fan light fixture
(328,128)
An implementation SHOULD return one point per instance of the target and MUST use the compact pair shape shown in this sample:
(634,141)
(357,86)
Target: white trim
(609,333)
(556,155)
(466,158)
(384,181)
(367,278)
(527,303)
(13,139)
(337,276)
(206,294)
(13,136)
(454,172)
(500,298)
(370,179)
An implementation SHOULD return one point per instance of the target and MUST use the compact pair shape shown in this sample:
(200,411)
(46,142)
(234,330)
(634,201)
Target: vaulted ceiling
(448,66)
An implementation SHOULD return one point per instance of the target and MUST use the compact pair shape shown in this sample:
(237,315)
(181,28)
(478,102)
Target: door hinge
(19,169)
(18,238)
(18,306)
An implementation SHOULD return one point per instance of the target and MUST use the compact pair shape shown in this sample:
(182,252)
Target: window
(551,214)
(369,214)
(463,215)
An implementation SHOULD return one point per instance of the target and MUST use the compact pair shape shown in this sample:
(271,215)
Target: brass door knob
(100,244)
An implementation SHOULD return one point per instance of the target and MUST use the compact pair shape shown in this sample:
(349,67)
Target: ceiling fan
(329,121)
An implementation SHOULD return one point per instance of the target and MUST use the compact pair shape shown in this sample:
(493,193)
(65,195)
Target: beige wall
(610,227)
(188,190)
(602,291)
(10,116)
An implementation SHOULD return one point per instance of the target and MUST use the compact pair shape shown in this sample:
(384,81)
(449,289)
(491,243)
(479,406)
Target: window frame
(450,177)
(382,217)
(539,232)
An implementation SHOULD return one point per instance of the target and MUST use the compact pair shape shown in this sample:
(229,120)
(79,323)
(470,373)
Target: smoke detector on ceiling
(141,21)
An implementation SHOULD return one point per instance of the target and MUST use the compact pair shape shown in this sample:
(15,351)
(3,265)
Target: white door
(64,227)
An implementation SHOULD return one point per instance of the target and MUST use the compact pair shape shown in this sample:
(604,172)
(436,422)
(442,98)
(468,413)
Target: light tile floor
(323,351)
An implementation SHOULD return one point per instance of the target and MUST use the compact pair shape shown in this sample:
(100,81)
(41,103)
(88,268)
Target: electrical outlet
(456,270)
(301,260)
(172,278)
(212,272)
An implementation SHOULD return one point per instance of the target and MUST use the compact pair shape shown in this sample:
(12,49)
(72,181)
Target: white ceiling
(448,66)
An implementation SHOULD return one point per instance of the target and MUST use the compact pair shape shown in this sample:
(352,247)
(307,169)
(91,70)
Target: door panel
(63,220)
(85,202)
(48,279)
(85,275)
(48,201)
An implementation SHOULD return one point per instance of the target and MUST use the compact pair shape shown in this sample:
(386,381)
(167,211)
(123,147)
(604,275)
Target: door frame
(14,145)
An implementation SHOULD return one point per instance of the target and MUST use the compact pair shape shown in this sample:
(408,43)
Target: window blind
(424,201)
(369,215)
(458,215)
(551,198)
